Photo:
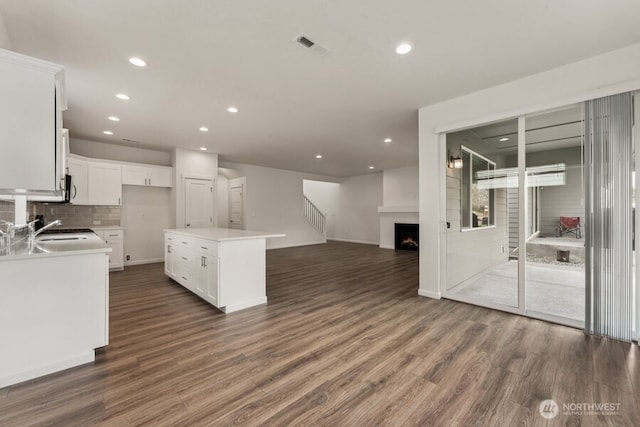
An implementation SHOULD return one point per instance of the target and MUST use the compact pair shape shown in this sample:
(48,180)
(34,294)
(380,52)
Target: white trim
(245,304)
(613,89)
(79,359)
(522,214)
(143,261)
(636,139)
(354,241)
(387,247)
(429,294)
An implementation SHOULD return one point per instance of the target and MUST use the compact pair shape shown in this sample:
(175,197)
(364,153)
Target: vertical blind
(608,174)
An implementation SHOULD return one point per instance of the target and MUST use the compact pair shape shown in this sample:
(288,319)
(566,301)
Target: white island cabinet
(225,267)
(54,307)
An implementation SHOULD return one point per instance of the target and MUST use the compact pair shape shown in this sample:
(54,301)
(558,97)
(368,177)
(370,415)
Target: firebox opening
(407,236)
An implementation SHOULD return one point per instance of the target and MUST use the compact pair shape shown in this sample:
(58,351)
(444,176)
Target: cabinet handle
(75,192)
(184,278)
(204,247)
(168,249)
(184,243)
(113,235)
(184,258)
(149,181)
(204,261)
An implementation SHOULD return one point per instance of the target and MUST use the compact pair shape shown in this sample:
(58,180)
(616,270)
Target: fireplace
(407,236)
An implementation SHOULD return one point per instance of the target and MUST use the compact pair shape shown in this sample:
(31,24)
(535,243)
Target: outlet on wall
(128,257)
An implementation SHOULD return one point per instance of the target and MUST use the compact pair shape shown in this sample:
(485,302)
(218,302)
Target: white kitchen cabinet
(78,169)
(169,257)
(225,267)
(54,311)
(147,175)
(104,183)
(114,238)
(31,108)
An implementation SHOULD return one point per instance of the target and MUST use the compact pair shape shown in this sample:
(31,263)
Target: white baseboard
(46,369)
(387,247)
(144,261)
(429,294)
(354,241)
(244,304)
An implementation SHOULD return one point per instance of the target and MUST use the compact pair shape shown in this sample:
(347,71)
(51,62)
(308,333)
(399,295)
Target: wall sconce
(454,162)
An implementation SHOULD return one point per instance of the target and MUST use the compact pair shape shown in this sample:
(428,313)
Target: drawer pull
(184,278)
(184,243)
(204,247)
(113,235)
(184,258)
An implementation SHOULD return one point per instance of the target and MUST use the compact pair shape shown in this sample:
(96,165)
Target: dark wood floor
(344,340)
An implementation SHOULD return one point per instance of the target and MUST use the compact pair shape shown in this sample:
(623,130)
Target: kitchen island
(225,267)
(54,305)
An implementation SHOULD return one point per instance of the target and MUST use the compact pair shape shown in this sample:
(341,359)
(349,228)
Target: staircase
(315,216)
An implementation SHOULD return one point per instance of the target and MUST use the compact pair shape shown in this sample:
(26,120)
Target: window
(477,201)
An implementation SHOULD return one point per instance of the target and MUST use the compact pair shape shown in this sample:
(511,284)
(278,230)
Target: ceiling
(204,56)
(549,130)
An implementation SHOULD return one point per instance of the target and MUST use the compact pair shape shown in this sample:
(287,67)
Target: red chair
(569,224)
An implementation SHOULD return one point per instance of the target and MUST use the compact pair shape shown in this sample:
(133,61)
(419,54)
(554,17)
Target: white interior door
(236,202)
(198,203)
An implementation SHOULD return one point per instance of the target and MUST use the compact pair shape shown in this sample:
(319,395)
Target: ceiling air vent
(314,47)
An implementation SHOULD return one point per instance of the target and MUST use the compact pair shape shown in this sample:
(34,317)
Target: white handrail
(314,216)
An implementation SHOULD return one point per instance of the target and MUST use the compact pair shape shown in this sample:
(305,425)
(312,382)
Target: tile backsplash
(72,216)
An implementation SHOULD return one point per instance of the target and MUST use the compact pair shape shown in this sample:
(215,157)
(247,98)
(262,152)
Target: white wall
(400,186)
(99,150)
(614,72)
(399,190)
(275,203)
(325,195)
(357,218)
(5,41)
(145,213)
(190,164)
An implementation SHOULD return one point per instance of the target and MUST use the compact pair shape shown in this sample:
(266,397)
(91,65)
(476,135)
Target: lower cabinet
(114,238)
(193,263)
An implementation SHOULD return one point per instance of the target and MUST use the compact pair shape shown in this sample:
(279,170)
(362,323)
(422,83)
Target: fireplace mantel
(398,209)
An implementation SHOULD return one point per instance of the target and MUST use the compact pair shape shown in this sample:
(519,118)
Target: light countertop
(223,234)
(44,247)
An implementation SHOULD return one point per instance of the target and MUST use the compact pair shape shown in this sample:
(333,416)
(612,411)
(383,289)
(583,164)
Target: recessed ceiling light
(123,96)
(232,109)
(388,140)
(204,128)
(318,156)
(114,118)
(371,167)
(403,48)
(203,148)
(504,139)
(107,132)
(138,62)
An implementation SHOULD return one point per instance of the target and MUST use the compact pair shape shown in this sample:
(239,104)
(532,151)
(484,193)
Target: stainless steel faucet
(33,233)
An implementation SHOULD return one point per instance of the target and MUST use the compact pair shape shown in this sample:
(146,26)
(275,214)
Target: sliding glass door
(515,216)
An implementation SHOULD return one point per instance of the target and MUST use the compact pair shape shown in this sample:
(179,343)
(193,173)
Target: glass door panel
(482,215)
(555,215)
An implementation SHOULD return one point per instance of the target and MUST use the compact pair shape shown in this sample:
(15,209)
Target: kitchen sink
(60,237)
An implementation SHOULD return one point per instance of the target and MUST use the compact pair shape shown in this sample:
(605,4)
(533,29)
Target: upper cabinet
(31,108)
(104,183)
(147,175)
(79,171)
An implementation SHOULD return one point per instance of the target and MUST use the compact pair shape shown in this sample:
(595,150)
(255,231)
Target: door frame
(522,236)
(243,181)
(213,180)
